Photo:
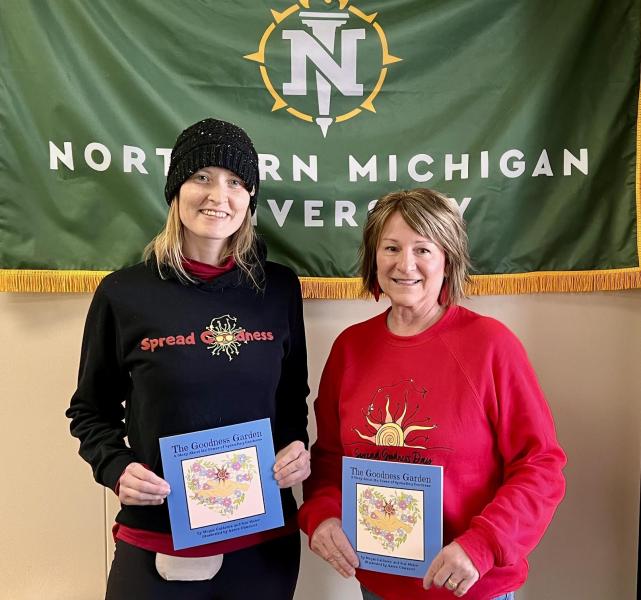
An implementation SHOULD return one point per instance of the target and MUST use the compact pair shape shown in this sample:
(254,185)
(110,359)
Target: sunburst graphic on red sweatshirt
(392,428)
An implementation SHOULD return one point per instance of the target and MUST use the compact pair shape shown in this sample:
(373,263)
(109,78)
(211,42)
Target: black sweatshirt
(186,357)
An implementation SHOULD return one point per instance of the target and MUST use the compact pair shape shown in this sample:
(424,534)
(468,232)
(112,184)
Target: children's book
(222,483)
(393,514)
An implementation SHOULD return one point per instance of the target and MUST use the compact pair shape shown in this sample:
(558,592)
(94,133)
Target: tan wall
(586,349)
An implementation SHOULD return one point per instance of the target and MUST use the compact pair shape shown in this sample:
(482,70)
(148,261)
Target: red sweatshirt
(461,394)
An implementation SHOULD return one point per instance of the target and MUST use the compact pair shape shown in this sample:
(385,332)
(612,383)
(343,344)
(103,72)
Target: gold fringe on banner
(555,282)
(335,288)
(14,280)
(349,288)
(496,285)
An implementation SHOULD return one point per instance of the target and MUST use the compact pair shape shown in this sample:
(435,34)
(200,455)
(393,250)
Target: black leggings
(268,571)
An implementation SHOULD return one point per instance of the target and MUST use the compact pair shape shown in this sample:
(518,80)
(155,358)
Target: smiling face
(410,268)
(212,205)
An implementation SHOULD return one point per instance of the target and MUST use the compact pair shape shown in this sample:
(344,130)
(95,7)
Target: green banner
(526,113)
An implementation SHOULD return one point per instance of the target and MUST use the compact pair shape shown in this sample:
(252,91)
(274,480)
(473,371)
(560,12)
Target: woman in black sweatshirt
(204,333)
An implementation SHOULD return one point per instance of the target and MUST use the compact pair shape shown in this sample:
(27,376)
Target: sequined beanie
(213,143)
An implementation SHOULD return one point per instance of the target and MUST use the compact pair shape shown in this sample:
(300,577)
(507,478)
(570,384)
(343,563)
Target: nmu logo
(335,69)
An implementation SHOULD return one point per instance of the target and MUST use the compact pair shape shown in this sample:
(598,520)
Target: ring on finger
(451,585)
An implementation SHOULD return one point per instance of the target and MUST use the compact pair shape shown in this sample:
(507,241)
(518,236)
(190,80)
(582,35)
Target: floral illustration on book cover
(390,521)
(223,487)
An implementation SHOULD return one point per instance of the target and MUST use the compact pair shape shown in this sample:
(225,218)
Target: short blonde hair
(167,248)
(432,216)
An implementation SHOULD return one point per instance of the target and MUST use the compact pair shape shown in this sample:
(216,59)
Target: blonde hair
(167,249)
(432,216)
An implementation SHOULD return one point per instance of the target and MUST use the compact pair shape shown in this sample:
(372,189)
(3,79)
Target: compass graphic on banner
(323,64)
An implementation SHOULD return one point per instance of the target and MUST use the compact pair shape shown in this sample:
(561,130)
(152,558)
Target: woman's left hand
(292,465)
(453,570)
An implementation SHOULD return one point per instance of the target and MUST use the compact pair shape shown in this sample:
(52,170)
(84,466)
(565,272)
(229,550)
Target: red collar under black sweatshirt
(461,394)
(186,357)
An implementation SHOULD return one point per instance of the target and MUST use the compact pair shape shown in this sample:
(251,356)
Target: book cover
(222,483)
(393,514)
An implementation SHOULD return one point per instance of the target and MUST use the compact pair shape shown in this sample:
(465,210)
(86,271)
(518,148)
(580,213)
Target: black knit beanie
(213,143)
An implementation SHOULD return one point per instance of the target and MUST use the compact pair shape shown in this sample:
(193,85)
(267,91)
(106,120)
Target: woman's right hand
(138,486)
(331,544)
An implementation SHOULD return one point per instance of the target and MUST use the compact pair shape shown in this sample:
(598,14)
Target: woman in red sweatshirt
(431,382)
